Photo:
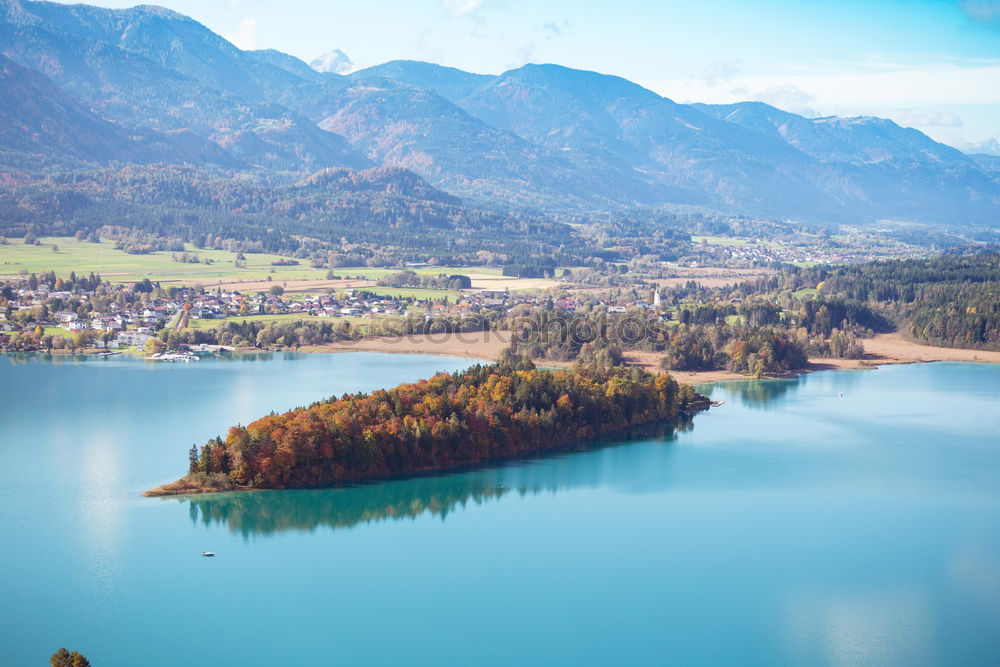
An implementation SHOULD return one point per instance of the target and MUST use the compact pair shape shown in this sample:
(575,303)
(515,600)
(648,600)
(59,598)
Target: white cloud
(523,55)
(720,71)
(462,7)
(951,102)
(470,9)
(478,28)
(245,36)
(788,97)
(990,147)
(918,86)
(554,29)
(925,118)
(424,44)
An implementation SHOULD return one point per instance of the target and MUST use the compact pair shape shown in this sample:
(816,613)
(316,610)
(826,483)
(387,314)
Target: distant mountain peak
(164,12)
(335,61)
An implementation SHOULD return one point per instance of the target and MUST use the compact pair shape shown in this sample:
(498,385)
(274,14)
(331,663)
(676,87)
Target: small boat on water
(208,554)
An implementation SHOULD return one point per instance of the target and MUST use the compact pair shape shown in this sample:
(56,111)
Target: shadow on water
(253,513)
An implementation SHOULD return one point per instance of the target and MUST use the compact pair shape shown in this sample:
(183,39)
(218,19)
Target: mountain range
(82,85)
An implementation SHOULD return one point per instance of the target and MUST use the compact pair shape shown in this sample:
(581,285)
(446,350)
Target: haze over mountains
(81,84)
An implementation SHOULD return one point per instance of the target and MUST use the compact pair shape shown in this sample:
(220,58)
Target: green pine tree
(193,459)
(61,658)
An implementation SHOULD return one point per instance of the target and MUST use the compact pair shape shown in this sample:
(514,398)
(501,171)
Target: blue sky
(930,64)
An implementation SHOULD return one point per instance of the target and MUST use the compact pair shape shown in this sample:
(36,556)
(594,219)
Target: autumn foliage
(485,412)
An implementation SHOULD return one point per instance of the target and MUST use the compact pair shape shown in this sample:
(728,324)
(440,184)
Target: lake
(840,518)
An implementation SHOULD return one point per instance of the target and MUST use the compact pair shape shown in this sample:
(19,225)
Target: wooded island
(483,413)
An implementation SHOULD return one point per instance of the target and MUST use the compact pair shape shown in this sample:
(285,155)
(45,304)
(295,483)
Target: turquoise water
(792,525)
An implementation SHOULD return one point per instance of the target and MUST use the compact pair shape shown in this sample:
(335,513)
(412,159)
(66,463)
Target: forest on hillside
(952,300)
(378,217)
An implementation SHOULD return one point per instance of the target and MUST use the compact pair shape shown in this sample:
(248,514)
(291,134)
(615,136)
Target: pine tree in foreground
(65,658)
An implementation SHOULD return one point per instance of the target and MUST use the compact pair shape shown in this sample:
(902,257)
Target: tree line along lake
(839,518)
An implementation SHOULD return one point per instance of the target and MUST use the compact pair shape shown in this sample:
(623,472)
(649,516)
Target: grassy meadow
(201,325)
(65,254)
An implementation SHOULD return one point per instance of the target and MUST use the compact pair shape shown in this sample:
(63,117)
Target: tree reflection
(759,394)
(252,513)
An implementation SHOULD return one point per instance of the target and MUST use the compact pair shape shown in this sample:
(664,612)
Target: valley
(511,362)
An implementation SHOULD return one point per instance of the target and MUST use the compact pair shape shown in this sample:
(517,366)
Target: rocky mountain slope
(145,83)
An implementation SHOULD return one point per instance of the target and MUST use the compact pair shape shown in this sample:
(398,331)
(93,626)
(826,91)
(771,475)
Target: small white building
(134,338)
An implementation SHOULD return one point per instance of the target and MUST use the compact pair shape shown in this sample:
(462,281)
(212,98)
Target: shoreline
(881,350)
(885,349)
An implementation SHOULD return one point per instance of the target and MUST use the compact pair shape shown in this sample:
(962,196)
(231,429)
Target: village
(43,314)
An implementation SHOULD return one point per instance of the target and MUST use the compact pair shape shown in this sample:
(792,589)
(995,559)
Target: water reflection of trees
(20,358)
(266,512)
(760,394)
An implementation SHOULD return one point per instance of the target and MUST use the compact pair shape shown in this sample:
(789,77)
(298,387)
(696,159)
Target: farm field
(205,324)
(65,254)
(719,240)
(119,266)
(59,331)
(415,293)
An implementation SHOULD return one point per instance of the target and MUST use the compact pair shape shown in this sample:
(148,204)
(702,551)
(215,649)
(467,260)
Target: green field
(200,325)
(119,266)
(58,331)
(414,293)
(719,240)
(395,292)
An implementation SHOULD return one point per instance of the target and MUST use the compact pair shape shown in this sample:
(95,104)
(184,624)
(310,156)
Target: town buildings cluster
(37,313)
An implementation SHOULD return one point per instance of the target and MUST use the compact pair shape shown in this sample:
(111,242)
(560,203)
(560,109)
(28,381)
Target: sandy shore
(893,348)
(476,345)
(651,362)
(882,349)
